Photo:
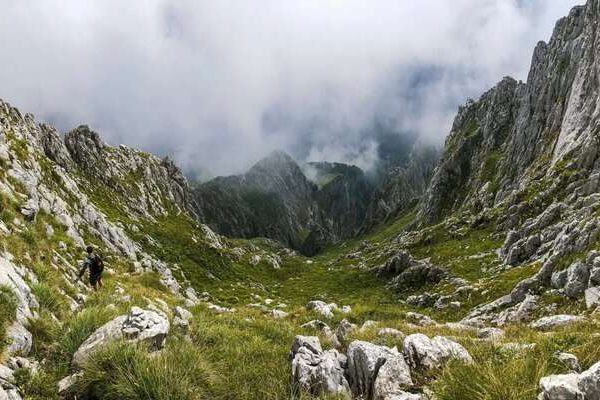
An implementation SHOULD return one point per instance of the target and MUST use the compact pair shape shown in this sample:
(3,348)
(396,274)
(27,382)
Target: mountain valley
(469,274)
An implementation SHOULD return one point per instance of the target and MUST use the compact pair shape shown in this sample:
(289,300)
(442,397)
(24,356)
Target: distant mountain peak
(275,160)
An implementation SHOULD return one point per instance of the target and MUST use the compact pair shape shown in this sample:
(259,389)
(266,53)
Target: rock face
(376,372)
(317,372)
(426,354)
(139,325)
(77,180)
(273,199)
(520,132)
(13,277)
(572,386)
(471,155)
(402,187)
(126,170)
(276,199)
(525,154)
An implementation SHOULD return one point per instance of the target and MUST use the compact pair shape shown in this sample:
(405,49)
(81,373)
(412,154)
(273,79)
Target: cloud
(218,84)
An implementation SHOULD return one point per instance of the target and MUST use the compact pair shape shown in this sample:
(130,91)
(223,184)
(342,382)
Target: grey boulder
(377,372)
(556,321)
(317,372)
(425,354)
(139,325)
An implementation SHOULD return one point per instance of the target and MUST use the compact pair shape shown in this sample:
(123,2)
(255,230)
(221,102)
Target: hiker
(96,266)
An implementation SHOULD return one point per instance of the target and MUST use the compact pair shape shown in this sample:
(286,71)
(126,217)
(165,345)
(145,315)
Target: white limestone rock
(376,372)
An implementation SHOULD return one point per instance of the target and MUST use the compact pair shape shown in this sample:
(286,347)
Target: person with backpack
(94,263)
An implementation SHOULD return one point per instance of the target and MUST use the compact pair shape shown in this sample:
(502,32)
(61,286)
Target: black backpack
(96,265)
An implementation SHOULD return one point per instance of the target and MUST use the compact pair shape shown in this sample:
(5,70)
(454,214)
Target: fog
(219,84)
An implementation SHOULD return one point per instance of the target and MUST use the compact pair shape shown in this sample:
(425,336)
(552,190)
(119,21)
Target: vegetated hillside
(487,289)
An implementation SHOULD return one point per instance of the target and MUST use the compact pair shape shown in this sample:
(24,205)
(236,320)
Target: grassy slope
(243,355)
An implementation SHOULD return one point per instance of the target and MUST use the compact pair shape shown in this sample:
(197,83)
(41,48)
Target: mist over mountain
(219,85)
(360,259)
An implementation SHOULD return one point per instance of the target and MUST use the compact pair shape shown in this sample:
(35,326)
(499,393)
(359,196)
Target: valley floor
(240,351)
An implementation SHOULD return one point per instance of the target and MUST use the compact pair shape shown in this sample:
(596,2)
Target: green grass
(77,330)
(8,313)
(48,298)
(123,371)
(244,355)
(509,376)
(454,252)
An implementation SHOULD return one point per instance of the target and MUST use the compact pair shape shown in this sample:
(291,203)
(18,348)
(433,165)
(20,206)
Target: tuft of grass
(45,330)
(36,386)
(77,330)
(48,298)
(152,280)
(125,371)
(248,351)
(498,375)
(8,312)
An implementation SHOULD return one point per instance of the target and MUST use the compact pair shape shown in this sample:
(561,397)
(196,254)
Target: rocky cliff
(273,199)
(517,131)
(523,161)
(402,188)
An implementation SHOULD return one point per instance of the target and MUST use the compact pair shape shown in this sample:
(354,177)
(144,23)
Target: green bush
(125,371)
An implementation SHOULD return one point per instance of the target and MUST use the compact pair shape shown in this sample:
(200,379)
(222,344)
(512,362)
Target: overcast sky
(219,83)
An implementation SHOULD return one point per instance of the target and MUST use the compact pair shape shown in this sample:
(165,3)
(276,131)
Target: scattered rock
(218,309)
(20,339)
(516,347)
(568,359)
(492,334)
(578,275)
(390,332)
(183,313)
(345,328)
(420,319)
(322,308)
(572,386)
(556,321)
(592,296)
(560,387)
(278,314)
(368,325)
(66,383)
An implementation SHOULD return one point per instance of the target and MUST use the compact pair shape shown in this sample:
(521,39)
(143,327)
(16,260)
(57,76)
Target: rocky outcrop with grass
(57,196)
(368,370)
